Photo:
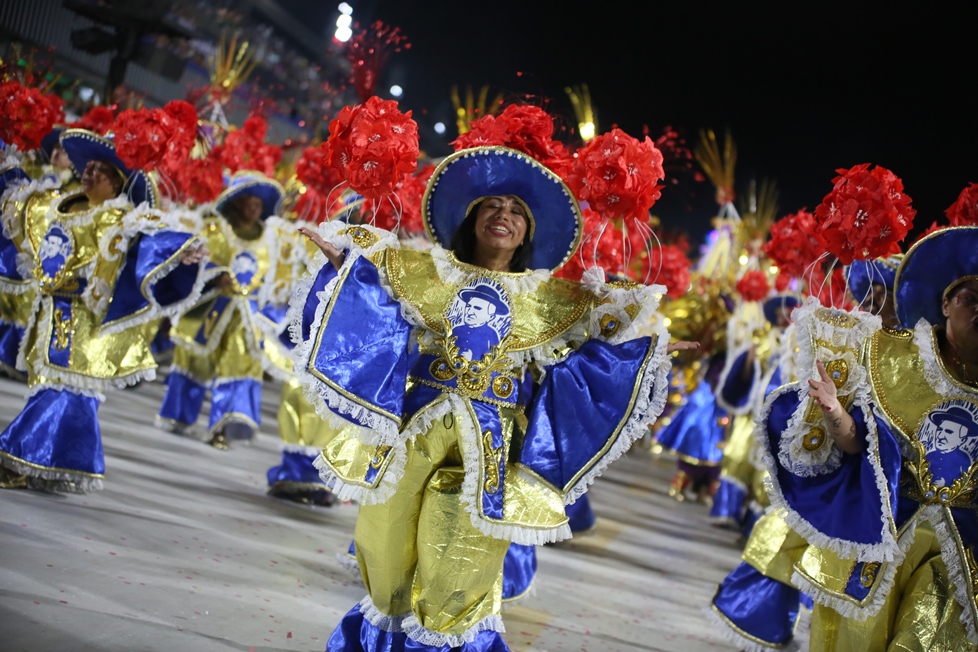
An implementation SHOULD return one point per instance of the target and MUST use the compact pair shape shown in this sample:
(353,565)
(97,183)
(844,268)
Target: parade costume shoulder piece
(430,362)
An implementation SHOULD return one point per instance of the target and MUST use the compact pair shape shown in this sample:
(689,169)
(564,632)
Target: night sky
(803,89)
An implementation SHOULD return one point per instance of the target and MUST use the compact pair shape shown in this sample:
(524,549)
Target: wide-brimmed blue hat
(861,275)
(468,175)
(252,182)
(936,264)
(774,303)
(49,142)
(82,146)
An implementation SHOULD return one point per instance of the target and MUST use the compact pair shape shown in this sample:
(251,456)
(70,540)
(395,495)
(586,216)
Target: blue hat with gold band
(773,304)
(83,146)
(934,266)
(252,182)
(469,175)
(861,275)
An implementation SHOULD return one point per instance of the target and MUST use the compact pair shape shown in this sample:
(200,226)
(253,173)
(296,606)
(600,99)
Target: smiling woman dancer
(455,450)
(877,466)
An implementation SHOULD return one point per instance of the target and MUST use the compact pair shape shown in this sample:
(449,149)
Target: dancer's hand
(682,345)
(334,255)
(195,255)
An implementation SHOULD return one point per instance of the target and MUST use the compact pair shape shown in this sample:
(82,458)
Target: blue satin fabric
(57,430)
(144,256)
(759,606)
(10,337)
(356,634)
(580,515)
(488,415)
(728,502)
(8,259)
(296,468)
(844,503)
(183,400)
(751,516)
(324,276)
(236,398)
(578,407)
(736,389)
(364,342)
(221,303)
(694,431)
(519,568)
(62,309)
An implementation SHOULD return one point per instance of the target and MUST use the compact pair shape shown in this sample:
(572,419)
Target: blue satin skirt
(756,607)
(728,503)
(519,569)
(183,400)
(237,402)
(356,634)
(694,434)
(580,514)
(296,468)
(56,437)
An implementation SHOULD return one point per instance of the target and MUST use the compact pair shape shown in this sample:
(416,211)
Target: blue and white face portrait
(244,267)
(950,438)
(480,317)
(55,250)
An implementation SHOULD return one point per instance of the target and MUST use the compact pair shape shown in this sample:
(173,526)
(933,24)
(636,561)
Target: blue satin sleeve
(844,503)
(580,408)
(361,346)
(736,387)
(323,277)
(144,257)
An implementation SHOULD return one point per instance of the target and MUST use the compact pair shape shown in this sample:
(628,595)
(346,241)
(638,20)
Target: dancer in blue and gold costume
(104,274)
(757,365)
(874,461)
(219,343)
(757,606)
(302,431)
(452,449)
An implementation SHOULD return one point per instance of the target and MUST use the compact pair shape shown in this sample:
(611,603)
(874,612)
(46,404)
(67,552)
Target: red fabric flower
(865,216)
(793,245)
(674,271)
(142,137)
(314,170)
(27,115)
(964,211)
(200,180)
(373,145)
(183,125)
(753,286)
(606,245)
(523,127)
(782,281)
(618,176)
(245,148)
(99,120)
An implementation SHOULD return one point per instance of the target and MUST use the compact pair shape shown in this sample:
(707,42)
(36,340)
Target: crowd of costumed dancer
(462,346)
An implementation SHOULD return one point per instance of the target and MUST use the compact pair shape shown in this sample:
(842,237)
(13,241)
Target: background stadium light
(396,90)
(439,127)
(344,22)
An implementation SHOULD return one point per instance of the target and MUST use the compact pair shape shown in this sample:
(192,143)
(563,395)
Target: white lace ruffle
(378,495)
(417,632)
(514,283)
(742,642)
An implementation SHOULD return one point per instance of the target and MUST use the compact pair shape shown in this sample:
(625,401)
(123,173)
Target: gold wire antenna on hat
(232,67)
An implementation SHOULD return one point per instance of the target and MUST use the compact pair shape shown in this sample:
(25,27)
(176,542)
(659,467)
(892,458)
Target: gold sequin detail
(493,458)
(380,454)
(838,371)
(609,325)
(502,387)
(361,237)
(868,574)
(62,330)
(814,439)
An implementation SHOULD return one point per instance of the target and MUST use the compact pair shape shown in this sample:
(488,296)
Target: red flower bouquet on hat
(964,211)
(865,216)
(753,286)
(793,245)
(373,145)
(27,115)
